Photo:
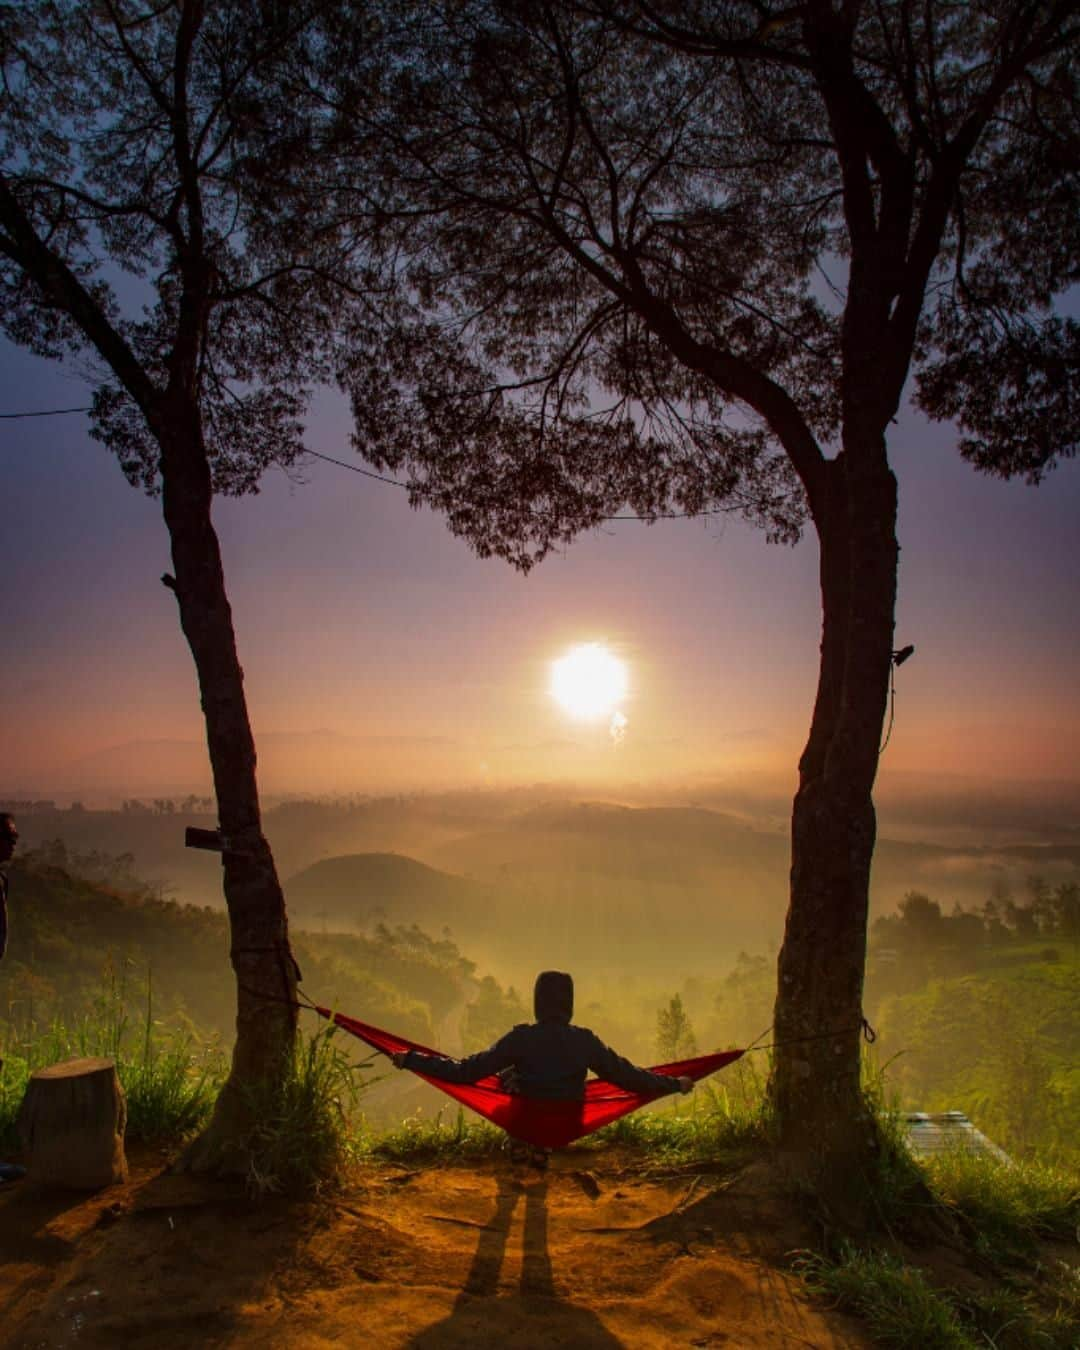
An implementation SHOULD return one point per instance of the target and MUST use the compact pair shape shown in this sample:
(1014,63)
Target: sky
(381,654)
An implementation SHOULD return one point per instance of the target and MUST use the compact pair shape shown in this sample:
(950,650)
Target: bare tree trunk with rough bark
(819,1016)
(261,956)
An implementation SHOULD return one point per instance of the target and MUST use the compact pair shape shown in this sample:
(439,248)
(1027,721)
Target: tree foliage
(644,247)
(675,1037)
(125,173)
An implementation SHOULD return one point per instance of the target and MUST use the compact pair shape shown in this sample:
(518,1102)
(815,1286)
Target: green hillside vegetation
(985,1005)
(981,1009)
(66,932)
(976,1011)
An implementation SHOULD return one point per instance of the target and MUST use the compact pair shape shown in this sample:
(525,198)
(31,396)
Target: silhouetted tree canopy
(658,256)
(125,173)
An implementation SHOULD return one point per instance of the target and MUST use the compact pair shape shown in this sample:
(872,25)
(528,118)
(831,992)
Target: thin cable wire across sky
(45,412)
(378,477)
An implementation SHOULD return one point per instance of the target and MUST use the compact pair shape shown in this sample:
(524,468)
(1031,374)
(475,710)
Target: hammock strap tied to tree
(541,1122)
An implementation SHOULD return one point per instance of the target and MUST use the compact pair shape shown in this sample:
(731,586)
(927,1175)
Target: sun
(589,682)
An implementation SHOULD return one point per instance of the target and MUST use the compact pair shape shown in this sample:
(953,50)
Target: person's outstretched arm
(606,1064)
(468,1070)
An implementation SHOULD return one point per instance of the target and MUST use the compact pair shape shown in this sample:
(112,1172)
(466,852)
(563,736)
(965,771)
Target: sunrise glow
(589,682)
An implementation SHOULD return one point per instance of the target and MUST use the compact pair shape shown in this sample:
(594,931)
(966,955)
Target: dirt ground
(592,1254)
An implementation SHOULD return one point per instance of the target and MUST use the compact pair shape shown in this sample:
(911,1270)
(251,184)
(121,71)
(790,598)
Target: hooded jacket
(549,1057)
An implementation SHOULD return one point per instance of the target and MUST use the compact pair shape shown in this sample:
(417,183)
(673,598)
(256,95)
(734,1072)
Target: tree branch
(63,289)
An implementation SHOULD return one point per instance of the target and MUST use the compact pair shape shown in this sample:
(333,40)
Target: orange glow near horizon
(381,655)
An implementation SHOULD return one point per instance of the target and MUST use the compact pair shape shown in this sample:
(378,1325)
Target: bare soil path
(593,1254)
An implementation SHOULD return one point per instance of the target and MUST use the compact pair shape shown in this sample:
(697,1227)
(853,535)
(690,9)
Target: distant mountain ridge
(519,878)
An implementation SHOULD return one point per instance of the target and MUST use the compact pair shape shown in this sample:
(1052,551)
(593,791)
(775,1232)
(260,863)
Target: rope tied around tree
(283,951)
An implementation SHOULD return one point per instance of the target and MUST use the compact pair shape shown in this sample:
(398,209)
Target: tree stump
(71,1123)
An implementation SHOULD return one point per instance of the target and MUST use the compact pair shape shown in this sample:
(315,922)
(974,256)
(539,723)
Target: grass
(305,1136)
(1031,1299)
(1005,1210)
(310,1132)
(902,1310)
(169,1078)
(304,1139)
(1011,1205)
(717,1120)
(895,1300)
(1008,1320)
(448,1136)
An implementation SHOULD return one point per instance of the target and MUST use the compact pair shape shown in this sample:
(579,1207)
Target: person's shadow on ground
(483,1316)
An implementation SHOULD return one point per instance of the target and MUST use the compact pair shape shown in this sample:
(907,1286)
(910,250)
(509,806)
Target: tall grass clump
(304,1137)
(895,1182)
(170,1079)
(903,1311)
(900,1308)
(1011,1205)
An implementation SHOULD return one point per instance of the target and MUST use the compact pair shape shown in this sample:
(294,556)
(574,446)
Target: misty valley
(431,915)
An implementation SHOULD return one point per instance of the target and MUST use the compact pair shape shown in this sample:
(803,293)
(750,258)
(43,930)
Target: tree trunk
(823,1118)
(71,1123)
(261,956)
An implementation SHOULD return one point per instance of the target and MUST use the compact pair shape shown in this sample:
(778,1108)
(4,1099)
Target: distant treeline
(113,869)
(168,806)
(920,925)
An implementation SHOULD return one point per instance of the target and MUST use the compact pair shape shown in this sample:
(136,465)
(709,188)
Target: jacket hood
(553,996)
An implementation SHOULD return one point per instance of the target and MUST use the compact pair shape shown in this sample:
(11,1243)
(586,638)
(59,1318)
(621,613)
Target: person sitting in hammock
(549,1057)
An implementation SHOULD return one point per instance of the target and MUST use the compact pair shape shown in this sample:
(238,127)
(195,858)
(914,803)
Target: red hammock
(544,1123)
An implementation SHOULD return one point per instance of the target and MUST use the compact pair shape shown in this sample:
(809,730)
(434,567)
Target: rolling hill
(604,902)
(359,890)
(523,879)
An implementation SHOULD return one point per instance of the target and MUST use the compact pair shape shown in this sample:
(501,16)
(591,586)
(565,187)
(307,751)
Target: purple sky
(360,617)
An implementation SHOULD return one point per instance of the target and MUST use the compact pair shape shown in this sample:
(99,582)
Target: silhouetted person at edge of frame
(9,837)
(546,1058)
